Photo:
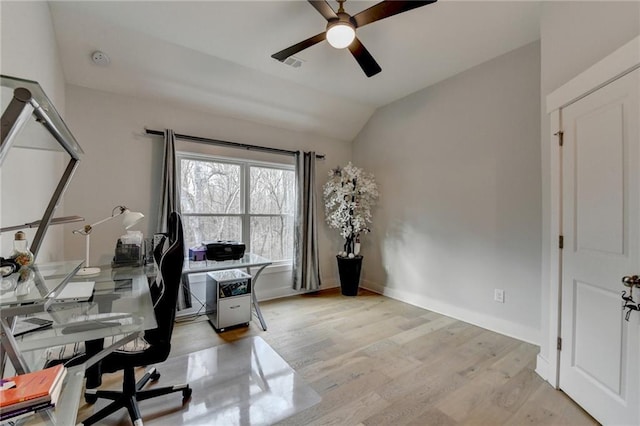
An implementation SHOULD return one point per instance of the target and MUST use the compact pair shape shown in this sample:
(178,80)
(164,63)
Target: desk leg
(185,280)
(254,279)
(10,349)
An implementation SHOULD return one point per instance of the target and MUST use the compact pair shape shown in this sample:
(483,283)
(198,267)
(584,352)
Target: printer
(224,250)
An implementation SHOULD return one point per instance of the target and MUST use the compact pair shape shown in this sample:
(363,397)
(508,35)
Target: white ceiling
(216,55)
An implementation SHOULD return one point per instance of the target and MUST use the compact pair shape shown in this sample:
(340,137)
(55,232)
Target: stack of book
(23,395)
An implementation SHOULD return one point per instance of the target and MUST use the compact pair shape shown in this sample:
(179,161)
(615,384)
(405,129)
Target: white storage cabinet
(228,295)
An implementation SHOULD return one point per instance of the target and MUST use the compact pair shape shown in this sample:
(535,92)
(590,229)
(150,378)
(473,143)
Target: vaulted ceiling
(216,55)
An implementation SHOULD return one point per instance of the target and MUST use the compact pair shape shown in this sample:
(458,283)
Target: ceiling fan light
(341,35)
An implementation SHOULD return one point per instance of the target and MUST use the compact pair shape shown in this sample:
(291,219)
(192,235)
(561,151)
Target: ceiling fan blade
(284,54)
(386,9)
(325,10)
(364,58)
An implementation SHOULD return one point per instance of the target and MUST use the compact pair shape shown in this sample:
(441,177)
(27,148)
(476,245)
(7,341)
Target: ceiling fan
(341,29)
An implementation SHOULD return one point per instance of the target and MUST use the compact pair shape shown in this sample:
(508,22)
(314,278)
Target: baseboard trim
(542,368)
(280,292)
(498,325)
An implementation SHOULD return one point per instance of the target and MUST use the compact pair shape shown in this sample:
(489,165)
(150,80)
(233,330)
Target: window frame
(245,191)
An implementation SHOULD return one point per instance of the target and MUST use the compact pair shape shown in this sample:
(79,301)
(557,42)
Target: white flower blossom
(348,197)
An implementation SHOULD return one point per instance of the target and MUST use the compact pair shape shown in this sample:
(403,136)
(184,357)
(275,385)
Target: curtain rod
(229,144)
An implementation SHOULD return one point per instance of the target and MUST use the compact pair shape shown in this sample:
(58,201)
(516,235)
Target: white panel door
(600,223)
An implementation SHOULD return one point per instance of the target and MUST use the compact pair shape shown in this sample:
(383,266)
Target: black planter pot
(349,270)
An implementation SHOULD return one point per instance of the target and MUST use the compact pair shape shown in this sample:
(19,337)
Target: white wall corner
(620,62)
(371,286)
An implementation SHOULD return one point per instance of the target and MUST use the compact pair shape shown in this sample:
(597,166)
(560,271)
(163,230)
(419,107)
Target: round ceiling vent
(100,58)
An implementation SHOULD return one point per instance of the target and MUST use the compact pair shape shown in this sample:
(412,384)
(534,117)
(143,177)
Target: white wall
(573,36)
(121,165)
(458,165)
(28,177)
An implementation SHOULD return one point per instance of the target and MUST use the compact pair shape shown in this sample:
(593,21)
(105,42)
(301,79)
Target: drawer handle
(234,307)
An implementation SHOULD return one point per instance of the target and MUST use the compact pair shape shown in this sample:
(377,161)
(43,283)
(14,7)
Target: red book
(31,388)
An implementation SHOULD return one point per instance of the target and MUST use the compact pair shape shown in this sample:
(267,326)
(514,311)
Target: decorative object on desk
(198,253)
(8,267)
(129,219)
(25,281)
(129,250)
(148,251)
(32,391)
(8,285)
(21,254)
(349,196)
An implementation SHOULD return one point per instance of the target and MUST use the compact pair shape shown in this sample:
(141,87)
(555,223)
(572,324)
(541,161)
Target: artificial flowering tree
(349,195)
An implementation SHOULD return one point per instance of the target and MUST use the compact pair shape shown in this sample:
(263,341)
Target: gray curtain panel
(306,267)
(169,201)
(169,185)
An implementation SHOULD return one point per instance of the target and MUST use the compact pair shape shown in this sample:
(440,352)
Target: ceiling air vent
(294,62)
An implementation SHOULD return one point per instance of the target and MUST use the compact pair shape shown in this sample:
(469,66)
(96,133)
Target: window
(244,201)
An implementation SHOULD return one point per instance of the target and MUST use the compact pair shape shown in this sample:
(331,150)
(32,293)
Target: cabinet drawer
(236,310)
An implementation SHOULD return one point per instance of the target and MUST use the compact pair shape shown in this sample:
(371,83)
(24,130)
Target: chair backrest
(164,290)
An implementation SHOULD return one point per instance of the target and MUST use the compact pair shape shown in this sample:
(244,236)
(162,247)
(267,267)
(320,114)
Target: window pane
(272,237)
(272,191)
(209,187)
(198,229)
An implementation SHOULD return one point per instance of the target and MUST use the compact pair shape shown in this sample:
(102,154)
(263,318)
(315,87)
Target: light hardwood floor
(377,361)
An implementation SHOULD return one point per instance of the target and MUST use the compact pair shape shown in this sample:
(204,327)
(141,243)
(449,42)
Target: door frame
(621,62)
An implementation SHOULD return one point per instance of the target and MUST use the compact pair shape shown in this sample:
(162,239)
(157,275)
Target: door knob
(629,304)
(631,281)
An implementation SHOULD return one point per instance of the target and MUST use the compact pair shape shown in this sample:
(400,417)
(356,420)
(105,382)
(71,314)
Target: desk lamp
(129,219)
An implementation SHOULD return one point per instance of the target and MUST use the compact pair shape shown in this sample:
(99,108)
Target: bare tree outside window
(272,204)
(238,201)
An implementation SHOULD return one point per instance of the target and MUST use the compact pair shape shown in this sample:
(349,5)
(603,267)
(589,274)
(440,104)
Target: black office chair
(154,347)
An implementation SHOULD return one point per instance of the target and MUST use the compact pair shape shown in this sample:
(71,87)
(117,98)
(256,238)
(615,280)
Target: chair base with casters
(130,395)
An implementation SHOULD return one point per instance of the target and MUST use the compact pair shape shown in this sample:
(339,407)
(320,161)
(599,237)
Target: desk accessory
(198,253)
(127,255)
(27,325)
(32,390)
(129,219)
(21,254)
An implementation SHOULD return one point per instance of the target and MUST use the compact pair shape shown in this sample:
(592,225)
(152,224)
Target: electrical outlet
(498,295)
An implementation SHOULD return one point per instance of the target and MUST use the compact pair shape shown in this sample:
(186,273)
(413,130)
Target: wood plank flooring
(377,361)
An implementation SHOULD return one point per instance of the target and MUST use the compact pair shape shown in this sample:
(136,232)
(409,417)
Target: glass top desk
(121,306)
(248,261)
